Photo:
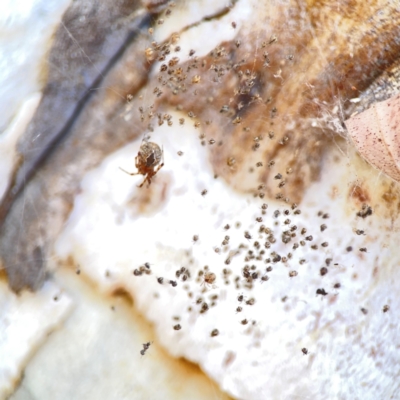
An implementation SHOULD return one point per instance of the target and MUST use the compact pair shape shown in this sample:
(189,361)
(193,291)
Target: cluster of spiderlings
(182,273)
(365,211)
(186,78)
(261,252)
(276,235)
(142,270)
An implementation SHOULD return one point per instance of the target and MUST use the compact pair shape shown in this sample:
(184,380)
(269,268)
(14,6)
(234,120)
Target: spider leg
(158,168)
(129,173)
(147,178)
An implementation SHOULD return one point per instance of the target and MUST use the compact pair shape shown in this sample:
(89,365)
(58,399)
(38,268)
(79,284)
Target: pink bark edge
(376,135)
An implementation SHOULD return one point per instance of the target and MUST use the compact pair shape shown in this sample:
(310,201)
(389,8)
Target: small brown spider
(148,161)
(209,279)
(145,348)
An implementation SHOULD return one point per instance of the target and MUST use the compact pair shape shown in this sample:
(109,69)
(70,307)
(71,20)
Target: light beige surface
(96,355)
(25,323)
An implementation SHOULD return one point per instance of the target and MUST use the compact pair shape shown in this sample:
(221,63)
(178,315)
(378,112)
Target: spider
(209,279)
(148,161)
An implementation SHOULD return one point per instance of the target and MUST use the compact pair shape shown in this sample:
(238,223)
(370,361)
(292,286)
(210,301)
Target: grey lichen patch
(60,151)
